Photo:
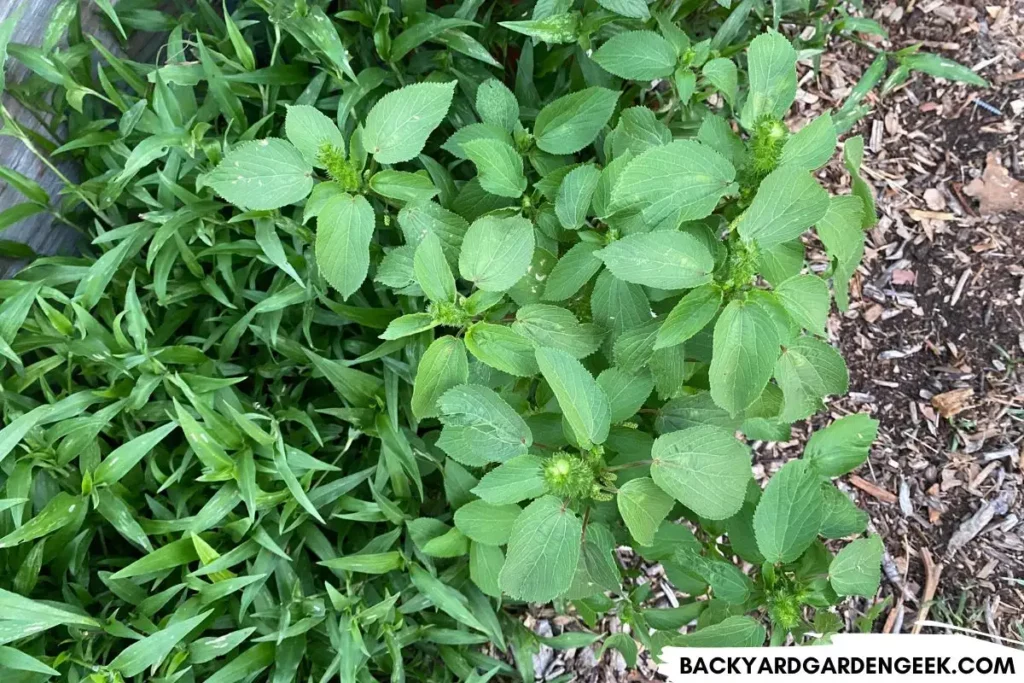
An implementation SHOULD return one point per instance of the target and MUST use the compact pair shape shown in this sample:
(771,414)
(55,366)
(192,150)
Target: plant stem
(626,466)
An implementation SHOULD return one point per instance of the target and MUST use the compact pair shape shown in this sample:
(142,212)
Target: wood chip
(973,525)
(873,313)
(953,402)
(903,277)
(935,200)
(922,215)
(958,292)
(873,490)
(932,572)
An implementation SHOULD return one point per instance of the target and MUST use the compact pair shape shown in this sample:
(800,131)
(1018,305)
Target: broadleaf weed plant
(395,316)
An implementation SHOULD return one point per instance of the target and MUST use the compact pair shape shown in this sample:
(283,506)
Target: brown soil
(939,308)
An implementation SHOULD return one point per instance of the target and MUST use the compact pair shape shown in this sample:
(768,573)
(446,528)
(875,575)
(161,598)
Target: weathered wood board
(39,232)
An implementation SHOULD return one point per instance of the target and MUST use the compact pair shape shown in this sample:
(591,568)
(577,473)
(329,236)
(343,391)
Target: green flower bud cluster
(338,169)
(449,314)
(785,610)
(569,476)
(741,267)
(766,146)
(578,477)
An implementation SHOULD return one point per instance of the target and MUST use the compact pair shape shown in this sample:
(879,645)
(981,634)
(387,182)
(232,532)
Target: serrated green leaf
(485,523)
(634,9)
(574,196)
(746,347)
(683,179)
(583,402)
(399,124)
(637,56)
(771,62)
(806,299)
(643,506)
(516,480)
(722,74)
(705,468)
(432,272)
(843,446)
(572,271)
(499,166)
(733,631)
(472,132)
(840,230)
(543,551)
(597,570)
(637,131)
(572,122)
(557,328)
(790,513)
(502,348)
(444,365)
(261,175)
(496,252)
(627,391)
(857,568)
(807,371)
(788,202)
(812,146)
(663,259)
(782,261)
(480,427)
(497,104)
(344,230)
(402,186)
(841,516)
(691,315)
(485,563)
(309,130)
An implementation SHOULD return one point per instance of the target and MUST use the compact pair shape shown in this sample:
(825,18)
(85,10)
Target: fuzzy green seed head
(742,265)
(569,476)
(448,314)
(785,611)
(338,169)
(523,140)
(766,146)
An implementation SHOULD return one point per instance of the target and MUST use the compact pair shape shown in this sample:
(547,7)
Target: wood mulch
(934,337)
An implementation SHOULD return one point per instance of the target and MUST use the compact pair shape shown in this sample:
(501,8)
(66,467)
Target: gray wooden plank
(40,232)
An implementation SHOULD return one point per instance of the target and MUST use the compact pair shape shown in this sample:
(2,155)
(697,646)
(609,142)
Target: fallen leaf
(996,190)
(953,402)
